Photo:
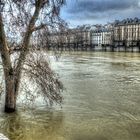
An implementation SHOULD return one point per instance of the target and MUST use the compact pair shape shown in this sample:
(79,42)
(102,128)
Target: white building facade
(101,37)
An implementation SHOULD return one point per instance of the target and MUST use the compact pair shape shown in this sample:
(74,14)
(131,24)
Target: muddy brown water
(101,101)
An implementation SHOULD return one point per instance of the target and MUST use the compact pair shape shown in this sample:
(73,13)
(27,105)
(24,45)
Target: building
(79,37)
(123,34)
(101,36)
(127,32)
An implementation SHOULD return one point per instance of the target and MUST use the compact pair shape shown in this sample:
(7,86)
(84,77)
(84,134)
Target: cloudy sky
(77,12)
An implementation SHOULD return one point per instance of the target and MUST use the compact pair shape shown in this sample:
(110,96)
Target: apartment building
(101,36)
(127,32)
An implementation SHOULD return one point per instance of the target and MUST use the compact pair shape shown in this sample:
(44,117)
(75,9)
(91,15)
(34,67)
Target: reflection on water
(36,125)
(102,101)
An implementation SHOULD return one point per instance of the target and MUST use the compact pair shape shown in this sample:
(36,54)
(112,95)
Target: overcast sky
(78,12)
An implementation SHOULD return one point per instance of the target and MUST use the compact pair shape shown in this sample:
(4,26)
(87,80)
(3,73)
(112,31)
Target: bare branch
(39,27)
(38,70)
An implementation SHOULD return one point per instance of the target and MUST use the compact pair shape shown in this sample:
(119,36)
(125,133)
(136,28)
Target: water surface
(101,101)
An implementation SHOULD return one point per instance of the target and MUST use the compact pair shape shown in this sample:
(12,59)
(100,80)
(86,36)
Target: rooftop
(128,21)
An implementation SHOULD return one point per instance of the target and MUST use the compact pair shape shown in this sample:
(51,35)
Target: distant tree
(21,24)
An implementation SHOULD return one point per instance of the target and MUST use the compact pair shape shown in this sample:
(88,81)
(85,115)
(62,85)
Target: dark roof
(100,30)
(128,21)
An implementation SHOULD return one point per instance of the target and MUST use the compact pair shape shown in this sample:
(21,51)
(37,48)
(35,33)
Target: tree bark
(10,99)
(8,71)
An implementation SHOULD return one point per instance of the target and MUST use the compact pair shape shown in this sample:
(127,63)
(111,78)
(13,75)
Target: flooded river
(101,101)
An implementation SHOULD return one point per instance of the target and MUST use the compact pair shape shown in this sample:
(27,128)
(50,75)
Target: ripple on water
(102,102)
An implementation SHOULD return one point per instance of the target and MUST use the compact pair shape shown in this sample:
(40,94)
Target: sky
(79,12)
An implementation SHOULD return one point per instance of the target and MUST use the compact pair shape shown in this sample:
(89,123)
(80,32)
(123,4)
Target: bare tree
(21,23)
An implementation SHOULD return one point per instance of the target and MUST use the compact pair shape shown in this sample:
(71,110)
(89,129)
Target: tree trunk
(8,71)
(10,99)
(13,76)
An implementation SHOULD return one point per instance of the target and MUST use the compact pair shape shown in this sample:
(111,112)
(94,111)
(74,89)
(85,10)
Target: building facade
(101,36)
(127,32)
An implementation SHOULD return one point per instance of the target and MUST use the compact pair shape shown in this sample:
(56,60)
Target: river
(101,101)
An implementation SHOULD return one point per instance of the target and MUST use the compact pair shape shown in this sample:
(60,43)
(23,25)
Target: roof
(99,30)
(128,21)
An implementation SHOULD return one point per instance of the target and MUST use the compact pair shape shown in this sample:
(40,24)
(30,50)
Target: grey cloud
(100,11)
(95,6)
